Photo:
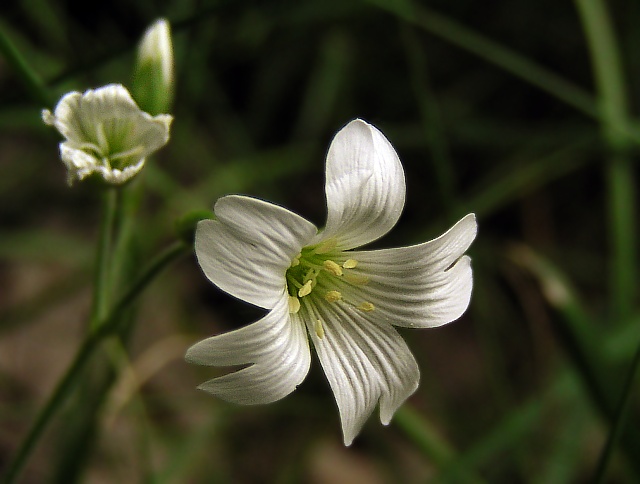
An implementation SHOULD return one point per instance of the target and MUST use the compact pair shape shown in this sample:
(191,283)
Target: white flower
(106,133)
(315,286)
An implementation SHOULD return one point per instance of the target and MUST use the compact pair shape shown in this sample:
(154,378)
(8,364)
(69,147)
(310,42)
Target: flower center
(322,274)
(111,144)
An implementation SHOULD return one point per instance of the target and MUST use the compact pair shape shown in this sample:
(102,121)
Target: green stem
(614,119)
(107,327)
(29,77)
(102,282)
(618,425)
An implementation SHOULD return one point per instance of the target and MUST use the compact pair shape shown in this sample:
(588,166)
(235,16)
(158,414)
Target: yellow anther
(366,306)
(319,329)
(350,264)
(356,279)
(332,268)
(296,260)
(294,304)
(306,289)
(333,296)
(326,246)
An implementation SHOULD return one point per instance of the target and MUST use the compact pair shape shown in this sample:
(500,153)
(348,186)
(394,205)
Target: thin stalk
(618,424)
(31,80)
(107,327)
(102,276)
(614,119)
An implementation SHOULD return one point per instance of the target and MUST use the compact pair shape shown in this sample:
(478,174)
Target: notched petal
(247,250)
(424,285)
(366,364)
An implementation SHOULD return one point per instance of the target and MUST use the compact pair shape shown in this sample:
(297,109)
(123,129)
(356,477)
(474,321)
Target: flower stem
(108,326)
(618,424)
(102,281)
(614,120)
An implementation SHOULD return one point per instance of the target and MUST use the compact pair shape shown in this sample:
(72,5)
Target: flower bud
(153,76)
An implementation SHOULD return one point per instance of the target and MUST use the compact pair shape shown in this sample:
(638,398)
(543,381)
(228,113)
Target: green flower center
(112,143)
(318,272)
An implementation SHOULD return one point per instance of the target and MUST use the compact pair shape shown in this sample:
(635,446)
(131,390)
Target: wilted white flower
(315,286)
(153,79)
(106,133)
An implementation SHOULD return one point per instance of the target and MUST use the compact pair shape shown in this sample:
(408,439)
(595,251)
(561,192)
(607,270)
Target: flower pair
(107,136)
(317,288)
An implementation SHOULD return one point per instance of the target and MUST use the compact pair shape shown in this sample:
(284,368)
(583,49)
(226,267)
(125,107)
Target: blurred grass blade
(577,333)
(326,82)
(516,181)
(620,417)
(111,325)
(30,79)
(431,118)
(432,445)
(505,58)
(614,118)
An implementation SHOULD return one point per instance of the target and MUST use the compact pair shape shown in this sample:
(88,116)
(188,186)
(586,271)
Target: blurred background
(493,110)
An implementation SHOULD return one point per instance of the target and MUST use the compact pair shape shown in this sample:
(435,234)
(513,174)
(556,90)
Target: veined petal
(276,348)
(365,186)
(420,286)
(365,362)
(102,115)
(106,132)
(80,164)
(248,249)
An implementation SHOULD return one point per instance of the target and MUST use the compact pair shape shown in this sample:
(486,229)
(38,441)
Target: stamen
(296,260)
(309,275)
(319,329)
(350,264)
(326,246)
(138,150)
(366,307)
(356,279)
(306,289)
(294,304)
(332,268)
(333,296)
(103,143)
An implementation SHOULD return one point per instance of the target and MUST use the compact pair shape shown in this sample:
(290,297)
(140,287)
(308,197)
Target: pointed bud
(153,77)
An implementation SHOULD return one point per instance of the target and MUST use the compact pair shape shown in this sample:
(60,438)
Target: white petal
(77,160)
(81,164)
(108,118)
(276,348)
(366,363)
(248,249)
(424,285)
(365,186)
